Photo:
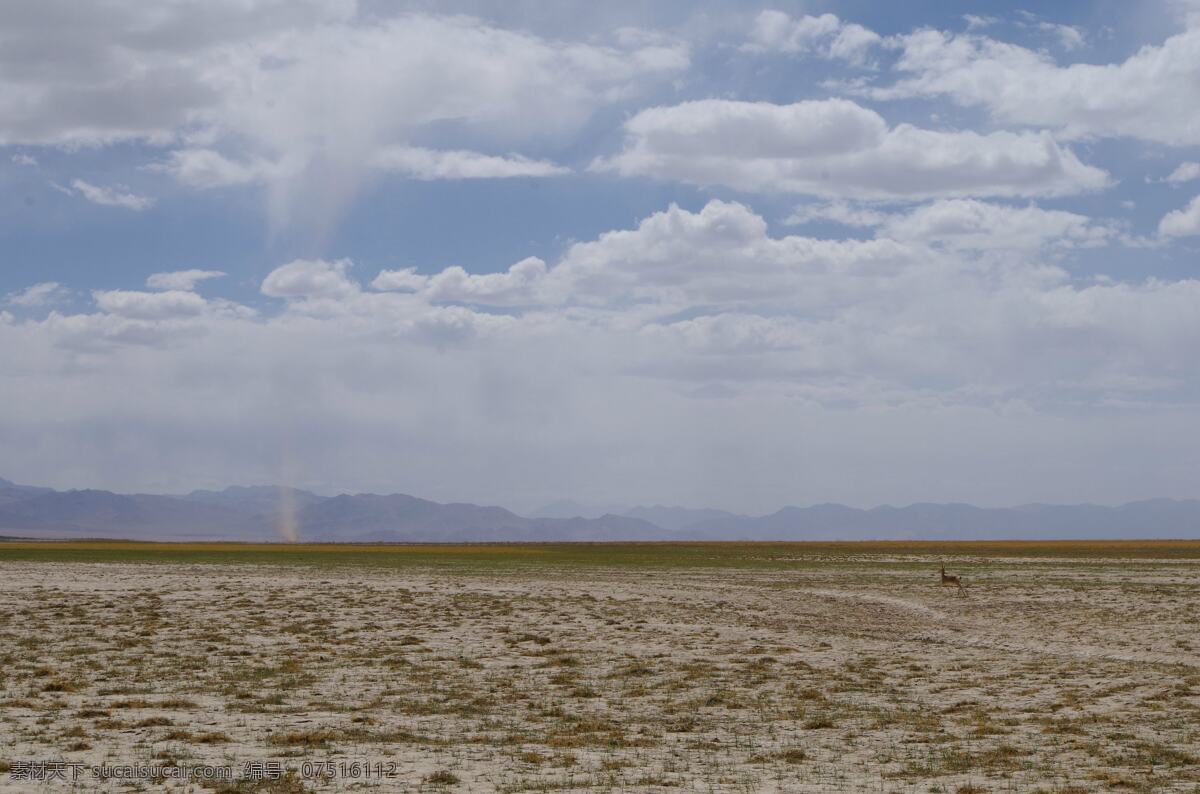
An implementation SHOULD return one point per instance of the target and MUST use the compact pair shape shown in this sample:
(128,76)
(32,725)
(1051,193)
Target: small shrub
(442,777)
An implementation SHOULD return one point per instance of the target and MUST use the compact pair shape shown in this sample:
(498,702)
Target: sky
(710,254)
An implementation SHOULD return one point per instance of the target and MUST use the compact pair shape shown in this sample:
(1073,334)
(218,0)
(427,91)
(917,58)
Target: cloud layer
(305,98)
(1153,95)
(715,281)
(645,330)
(838,148)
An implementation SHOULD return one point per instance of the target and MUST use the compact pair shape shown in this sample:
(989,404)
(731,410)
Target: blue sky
(729,255)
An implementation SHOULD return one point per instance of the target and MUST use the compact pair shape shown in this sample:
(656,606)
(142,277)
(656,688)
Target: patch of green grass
(501,556)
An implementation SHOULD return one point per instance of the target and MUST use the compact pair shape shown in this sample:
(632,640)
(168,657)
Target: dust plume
(288,526)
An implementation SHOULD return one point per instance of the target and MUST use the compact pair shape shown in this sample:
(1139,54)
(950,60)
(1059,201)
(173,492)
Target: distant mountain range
(276,513)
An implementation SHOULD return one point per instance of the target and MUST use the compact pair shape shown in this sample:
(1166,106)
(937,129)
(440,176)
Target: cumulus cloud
(310,278)
(135,305)
(421,163)
(514,286)
(837,148)
(1182,222)
(405,280)
(180,279)
(108,196)
(824,35)
(126,320)
(1184,172)
(711,297)
(977,21)
(37,295)
(988,227)
(1152,95)
(24,159)
(1069,36)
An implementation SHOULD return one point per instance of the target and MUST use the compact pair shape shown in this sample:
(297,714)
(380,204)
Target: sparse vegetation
(737,667)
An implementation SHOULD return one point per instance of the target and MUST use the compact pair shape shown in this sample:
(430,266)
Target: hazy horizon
(568,507)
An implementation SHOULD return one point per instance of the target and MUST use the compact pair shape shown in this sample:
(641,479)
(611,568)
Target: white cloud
(987,227)
(1152,95)
(977,21)
(205,168)
(109,196)
(125,70)
(310,278)
(134,305)
(825,35)
(1185,172)
(1182,222)
(853,43)
(514,286)
(37,295)
(775,30)
(406,280)
(837,148)
(420,163)
(932,305)
(180,279)
(1069,36)
(24,159)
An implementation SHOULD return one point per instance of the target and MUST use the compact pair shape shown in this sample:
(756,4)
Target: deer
(951,581)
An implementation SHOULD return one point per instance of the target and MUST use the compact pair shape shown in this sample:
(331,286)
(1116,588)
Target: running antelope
(950,581)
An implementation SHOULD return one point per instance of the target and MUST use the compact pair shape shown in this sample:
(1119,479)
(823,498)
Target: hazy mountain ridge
(141,516)
(569,508)
(1161,518)
(680,518)
(272,512)
(262,512)
(258,499)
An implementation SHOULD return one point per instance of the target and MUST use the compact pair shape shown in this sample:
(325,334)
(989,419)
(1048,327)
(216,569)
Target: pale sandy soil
(860,676)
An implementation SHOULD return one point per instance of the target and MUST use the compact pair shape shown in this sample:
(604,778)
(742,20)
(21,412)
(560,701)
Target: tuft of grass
(59,685)
(211,737)
(152,722)
(321,737)
(442,777)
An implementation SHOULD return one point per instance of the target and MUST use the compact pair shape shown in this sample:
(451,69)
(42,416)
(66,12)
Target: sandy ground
(860,676)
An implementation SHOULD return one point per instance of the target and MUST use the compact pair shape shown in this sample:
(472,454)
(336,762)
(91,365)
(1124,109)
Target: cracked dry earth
(863,675)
